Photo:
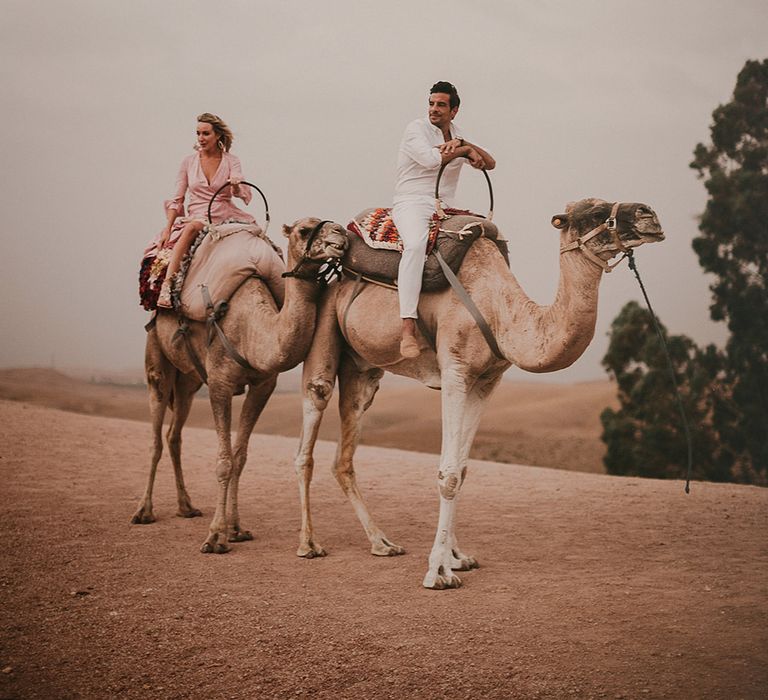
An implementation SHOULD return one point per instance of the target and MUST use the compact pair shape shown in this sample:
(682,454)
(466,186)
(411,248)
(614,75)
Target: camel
(270,340)
(455,358)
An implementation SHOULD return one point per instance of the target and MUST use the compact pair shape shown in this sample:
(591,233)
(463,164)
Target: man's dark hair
(448,89)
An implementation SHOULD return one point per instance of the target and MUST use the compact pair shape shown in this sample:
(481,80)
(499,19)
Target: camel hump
(223,263)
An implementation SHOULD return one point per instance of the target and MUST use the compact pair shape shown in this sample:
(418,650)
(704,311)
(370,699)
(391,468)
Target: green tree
(646,436)
(733,246)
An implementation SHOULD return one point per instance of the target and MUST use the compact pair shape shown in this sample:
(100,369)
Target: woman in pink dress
(201,175)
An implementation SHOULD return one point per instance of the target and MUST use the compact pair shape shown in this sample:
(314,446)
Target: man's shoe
(409,347)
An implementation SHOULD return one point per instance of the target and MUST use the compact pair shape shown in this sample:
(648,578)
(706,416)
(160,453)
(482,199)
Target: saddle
(451,237)
(219,262)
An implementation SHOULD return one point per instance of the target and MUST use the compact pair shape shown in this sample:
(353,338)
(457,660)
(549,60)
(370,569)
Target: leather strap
(214,314)
(482,324)
(184,333)
(355,292)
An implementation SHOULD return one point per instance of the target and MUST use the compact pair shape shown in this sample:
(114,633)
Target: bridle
(610,225)
(327,269)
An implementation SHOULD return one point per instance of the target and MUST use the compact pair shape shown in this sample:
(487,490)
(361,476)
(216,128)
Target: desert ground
(589,586)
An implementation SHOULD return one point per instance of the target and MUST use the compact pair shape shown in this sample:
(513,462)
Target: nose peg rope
(633,266)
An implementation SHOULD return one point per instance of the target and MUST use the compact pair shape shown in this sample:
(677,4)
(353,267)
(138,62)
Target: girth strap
(214,314)
(184,331)
(465,299)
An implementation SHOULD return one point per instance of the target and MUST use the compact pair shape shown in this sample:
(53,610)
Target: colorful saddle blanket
(453,237)
(378,230)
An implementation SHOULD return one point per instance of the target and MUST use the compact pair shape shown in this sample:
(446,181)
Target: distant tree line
(725,393)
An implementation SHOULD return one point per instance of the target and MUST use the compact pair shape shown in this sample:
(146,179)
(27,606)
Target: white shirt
(418,162)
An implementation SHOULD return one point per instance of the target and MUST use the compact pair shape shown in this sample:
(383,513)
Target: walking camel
(456,359)
(270,340)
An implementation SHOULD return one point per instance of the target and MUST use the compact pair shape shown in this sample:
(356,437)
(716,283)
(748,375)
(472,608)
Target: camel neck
(545,338)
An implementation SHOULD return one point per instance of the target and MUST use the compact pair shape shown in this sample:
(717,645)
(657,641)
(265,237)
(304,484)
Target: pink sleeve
(182,182)
(235,170)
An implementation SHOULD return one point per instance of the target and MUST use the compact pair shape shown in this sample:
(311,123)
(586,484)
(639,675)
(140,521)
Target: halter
(609,225)
(320,275)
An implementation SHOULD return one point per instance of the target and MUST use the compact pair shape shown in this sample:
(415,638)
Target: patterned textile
(377,229)
(151,276)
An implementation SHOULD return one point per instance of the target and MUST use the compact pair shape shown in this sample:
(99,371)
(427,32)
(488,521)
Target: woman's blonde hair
(222,131)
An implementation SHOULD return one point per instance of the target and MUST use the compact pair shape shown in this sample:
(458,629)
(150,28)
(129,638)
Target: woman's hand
(235,182)
(164,236)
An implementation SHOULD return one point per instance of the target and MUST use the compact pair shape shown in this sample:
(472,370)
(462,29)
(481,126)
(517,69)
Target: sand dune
(551,425)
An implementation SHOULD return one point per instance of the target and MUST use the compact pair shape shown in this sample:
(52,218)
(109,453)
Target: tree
(733,246)
(646,436)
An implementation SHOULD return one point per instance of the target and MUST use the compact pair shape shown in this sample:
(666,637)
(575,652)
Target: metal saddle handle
(437,190)
(242,182)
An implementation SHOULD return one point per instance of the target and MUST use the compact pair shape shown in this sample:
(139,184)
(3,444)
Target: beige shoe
(409,347)
(164,299)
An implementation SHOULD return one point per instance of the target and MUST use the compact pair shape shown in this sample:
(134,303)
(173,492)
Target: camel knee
(449,482)
(223,470)
(319,392)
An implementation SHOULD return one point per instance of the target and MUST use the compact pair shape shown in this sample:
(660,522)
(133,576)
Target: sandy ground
(590,586)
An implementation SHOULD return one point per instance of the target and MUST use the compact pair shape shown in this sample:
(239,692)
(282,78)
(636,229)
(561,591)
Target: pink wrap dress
(191,180)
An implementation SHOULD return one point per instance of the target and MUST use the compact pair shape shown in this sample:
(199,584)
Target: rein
(611,226)
(633,266)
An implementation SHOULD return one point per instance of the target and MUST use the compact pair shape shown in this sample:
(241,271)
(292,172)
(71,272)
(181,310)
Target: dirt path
(589,587)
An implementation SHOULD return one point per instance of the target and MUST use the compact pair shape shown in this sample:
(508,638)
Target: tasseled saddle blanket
(375,248)
(378,230)
(219,261)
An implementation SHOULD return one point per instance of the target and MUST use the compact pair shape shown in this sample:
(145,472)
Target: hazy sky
(573,98)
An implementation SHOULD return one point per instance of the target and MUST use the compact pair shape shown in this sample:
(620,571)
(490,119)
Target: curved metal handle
(487,179)
(243,182)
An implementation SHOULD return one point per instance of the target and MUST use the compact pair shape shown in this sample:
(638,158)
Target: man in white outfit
(427,144)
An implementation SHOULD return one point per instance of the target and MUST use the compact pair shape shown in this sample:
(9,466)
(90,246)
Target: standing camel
(270,340)
(455,358)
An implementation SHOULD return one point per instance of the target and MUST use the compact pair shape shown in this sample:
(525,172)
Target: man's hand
(475,159)
(450,146)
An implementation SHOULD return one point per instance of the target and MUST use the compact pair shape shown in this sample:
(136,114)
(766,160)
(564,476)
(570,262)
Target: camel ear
(286,230)
(560,220)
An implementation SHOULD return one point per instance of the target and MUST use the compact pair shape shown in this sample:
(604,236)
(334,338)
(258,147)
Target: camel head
(602,230)
(312,242)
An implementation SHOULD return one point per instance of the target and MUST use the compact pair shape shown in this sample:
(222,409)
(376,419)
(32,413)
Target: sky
(580,98)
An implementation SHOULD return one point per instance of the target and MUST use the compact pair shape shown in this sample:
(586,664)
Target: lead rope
(633,266)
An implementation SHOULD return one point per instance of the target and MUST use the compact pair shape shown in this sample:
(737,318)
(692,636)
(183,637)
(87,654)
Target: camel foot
(310,550)
(215,544)
(189,513)
(143,516)
(240,536)
(439,580)
(463,562)
(384,548)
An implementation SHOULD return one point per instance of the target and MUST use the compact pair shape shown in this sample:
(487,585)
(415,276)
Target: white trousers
(412,216)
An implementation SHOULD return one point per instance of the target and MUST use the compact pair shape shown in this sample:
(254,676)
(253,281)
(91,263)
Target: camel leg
(476,401)
(255,400)
(184,391)
(160,377)
(449,479)
(221,405)
(356,391)
(318,378)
